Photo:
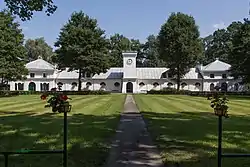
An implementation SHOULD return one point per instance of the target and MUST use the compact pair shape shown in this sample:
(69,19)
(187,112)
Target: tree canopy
(239,57)
(82,46)
(25,9)
(12,52)
(151,54)
(38,48)
(219,44)
(179,44)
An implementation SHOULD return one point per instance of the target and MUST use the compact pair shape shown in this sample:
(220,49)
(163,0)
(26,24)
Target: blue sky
(136,18)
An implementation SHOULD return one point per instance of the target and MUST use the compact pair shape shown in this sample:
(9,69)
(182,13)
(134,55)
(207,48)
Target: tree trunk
(178,78)
(79,80)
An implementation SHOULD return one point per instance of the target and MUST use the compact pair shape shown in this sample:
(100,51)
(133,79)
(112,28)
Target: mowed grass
(185,129)
(26,124)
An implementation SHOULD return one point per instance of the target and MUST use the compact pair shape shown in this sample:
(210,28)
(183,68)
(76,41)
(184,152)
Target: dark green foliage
(38,48)
(219,104)
(25,9)
(151,54)
(82,46)
(240,55)
(12,52)
(219,44)
(16,93)
(118,44)
(166,91)
(179,44)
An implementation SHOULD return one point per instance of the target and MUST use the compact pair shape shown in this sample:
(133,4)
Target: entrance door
(224,87)
(129,87)
(32,86)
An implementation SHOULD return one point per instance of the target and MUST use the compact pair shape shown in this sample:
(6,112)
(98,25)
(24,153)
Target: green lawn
(185,129)
(26,124)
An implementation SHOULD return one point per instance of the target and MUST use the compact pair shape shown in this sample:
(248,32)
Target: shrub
(16,93)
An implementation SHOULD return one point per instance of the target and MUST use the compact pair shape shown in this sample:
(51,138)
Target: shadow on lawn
(86,134)
(190,138)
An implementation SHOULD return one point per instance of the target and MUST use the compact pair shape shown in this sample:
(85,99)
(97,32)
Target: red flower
(64,97)
(43,97)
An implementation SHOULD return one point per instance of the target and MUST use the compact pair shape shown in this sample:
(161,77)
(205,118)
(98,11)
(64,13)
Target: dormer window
(164,75)
(224,76)
(170,75)
(44,75)
(32,75)
(211,75)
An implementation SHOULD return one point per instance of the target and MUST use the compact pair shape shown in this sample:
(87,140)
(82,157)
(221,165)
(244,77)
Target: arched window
(88,84)
(197,84)
(141,84)
(156,84)
(170,84)
(59,84)
(74,84)
(183,84)
(117,84)
(236,86)
(102,84)
(44,86)
(211,87)
(20,86)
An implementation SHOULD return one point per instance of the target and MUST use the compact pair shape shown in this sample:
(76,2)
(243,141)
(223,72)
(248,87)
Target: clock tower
(129,64)
(129,72)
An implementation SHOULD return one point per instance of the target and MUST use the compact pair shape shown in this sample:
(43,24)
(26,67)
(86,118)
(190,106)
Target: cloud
(220,25)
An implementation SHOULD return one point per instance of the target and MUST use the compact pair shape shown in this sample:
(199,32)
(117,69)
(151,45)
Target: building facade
(129,79)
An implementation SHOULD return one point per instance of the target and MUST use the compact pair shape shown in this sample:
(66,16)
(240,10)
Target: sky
(135,18)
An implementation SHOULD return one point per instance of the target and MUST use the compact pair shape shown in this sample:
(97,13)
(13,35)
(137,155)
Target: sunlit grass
(26,124)
(185,129)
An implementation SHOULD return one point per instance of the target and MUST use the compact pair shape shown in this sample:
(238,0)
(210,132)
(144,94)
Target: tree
(136,45)
(118,44)
(25,9)
(179,44)
(38,48)
(150,50)
(219,44)
(240,55)
(12,52)
(82,46)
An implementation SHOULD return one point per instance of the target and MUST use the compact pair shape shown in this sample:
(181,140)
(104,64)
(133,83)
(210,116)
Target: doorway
(129,87)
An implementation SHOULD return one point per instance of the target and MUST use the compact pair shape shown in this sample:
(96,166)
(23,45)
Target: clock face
(129,61)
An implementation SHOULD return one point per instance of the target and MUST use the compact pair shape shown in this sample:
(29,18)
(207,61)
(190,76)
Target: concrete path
(132,146)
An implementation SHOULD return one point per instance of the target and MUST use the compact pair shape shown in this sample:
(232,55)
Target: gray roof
(67,75)
(217,65)
(112,73)
(39,64)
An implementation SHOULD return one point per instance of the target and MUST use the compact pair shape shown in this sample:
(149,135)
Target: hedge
(194,93)
(16,93)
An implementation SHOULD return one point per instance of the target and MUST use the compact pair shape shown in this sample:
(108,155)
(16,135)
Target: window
(117,84)
(44,75)
(211,87)
(211,75)
(170,75)
(141,84)
(156,84)
(32,75)
(164,75)
(88,75)
(224,75)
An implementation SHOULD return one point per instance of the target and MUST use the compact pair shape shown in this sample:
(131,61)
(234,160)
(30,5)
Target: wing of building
(129,78)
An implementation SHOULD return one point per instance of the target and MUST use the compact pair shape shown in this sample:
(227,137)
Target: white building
(44,76)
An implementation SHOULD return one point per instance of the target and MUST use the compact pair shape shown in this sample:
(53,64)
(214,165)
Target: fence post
(6,160)
(65,151)
(219,141)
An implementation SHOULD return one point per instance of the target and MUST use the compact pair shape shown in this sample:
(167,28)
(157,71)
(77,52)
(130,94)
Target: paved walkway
(132,146)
